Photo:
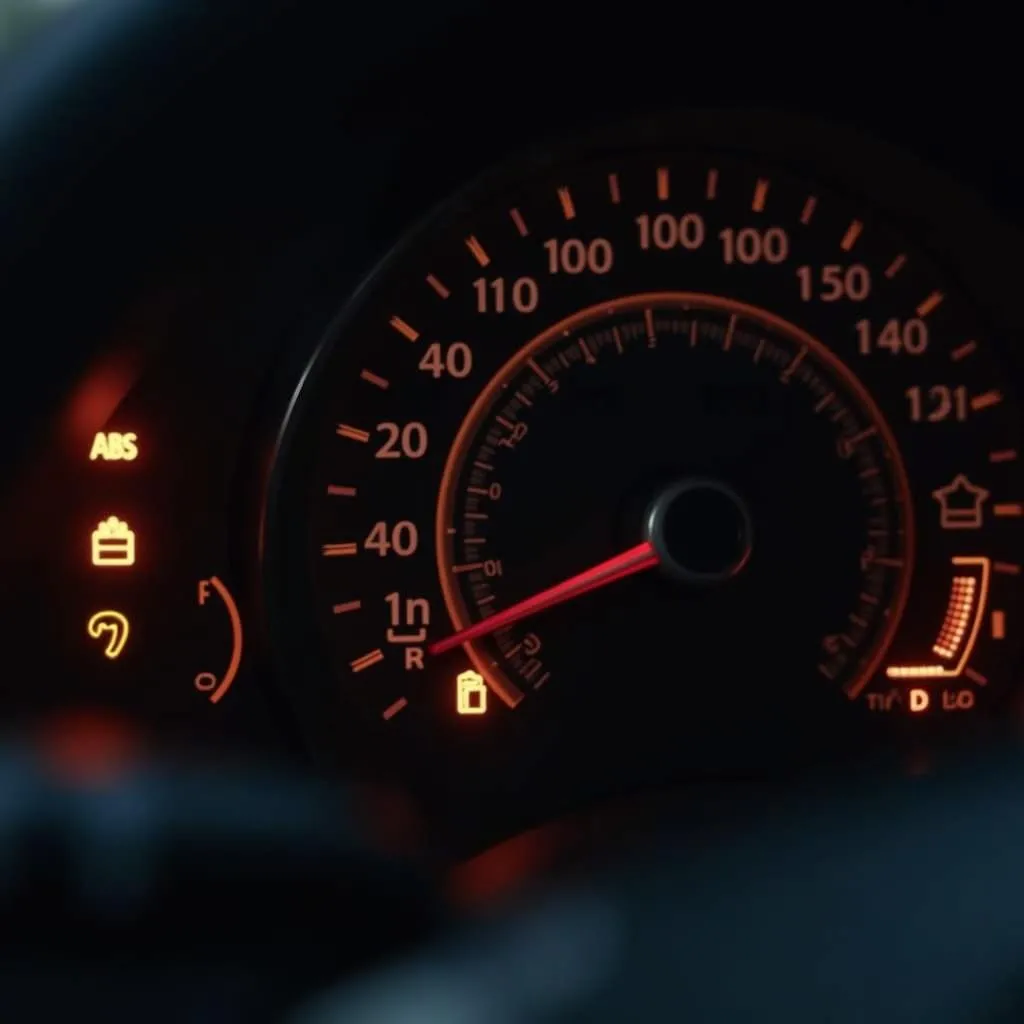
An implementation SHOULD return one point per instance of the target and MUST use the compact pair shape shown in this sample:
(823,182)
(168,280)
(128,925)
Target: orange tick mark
(985,399)
(535,366)
(353,433)
(787,373)
(760,195)
(730,330)
(998,625)
(339,550)
(568,207)
(437,286)
(404,329)
(367,660)
(824,401)
(808,211)
(478,251)
(896,266)
(393,709)
(929,304)
(663,183)
(851,236)
(517,219)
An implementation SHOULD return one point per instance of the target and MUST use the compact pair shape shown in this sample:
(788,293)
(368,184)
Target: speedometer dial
(665,431)
(749,456)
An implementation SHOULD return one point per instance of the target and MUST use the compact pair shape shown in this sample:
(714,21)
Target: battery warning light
(471,694)
(113,543)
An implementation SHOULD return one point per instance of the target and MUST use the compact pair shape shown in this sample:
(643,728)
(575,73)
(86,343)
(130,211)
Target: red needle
(643,556)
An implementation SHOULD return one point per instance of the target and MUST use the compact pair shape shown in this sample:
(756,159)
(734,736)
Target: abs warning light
(113,446)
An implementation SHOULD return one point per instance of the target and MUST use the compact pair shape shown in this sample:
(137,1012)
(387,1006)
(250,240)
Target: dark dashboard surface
(215,245)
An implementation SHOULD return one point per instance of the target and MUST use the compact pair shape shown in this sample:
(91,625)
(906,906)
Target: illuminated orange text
(112,446)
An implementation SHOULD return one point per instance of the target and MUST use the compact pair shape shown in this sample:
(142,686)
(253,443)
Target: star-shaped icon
(960,504)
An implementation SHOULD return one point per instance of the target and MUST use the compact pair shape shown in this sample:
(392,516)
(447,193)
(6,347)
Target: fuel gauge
(213,685)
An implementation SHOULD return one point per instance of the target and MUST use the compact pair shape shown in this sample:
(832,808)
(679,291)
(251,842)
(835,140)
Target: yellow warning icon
(471,694)
(113,543)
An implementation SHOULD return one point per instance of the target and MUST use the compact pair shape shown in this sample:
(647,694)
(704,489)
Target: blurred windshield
(19,19)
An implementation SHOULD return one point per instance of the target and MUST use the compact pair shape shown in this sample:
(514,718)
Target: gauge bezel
(954,228)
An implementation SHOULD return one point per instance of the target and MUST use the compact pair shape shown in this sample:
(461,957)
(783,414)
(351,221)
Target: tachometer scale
(706,488)
(665,431)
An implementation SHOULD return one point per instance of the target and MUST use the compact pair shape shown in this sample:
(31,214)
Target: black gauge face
(658,439)
(731,413)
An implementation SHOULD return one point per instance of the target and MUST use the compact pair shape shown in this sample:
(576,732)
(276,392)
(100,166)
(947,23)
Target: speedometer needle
(636,559)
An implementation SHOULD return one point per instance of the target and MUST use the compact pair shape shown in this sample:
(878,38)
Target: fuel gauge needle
(634,560)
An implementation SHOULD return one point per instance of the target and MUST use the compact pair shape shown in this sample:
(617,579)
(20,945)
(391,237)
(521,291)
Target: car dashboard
(518,425)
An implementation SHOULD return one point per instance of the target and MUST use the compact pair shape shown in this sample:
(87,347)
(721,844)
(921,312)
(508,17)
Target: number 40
(456,360)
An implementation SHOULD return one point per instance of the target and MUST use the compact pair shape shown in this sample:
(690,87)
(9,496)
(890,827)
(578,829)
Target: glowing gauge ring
(471,424)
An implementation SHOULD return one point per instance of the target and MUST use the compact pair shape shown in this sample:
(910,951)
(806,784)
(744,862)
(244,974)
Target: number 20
(407,441)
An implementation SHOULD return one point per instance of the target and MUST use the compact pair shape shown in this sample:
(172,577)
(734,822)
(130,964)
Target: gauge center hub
(702,531)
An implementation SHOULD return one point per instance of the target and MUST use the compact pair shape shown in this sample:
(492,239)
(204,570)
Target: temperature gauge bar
(957,634)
